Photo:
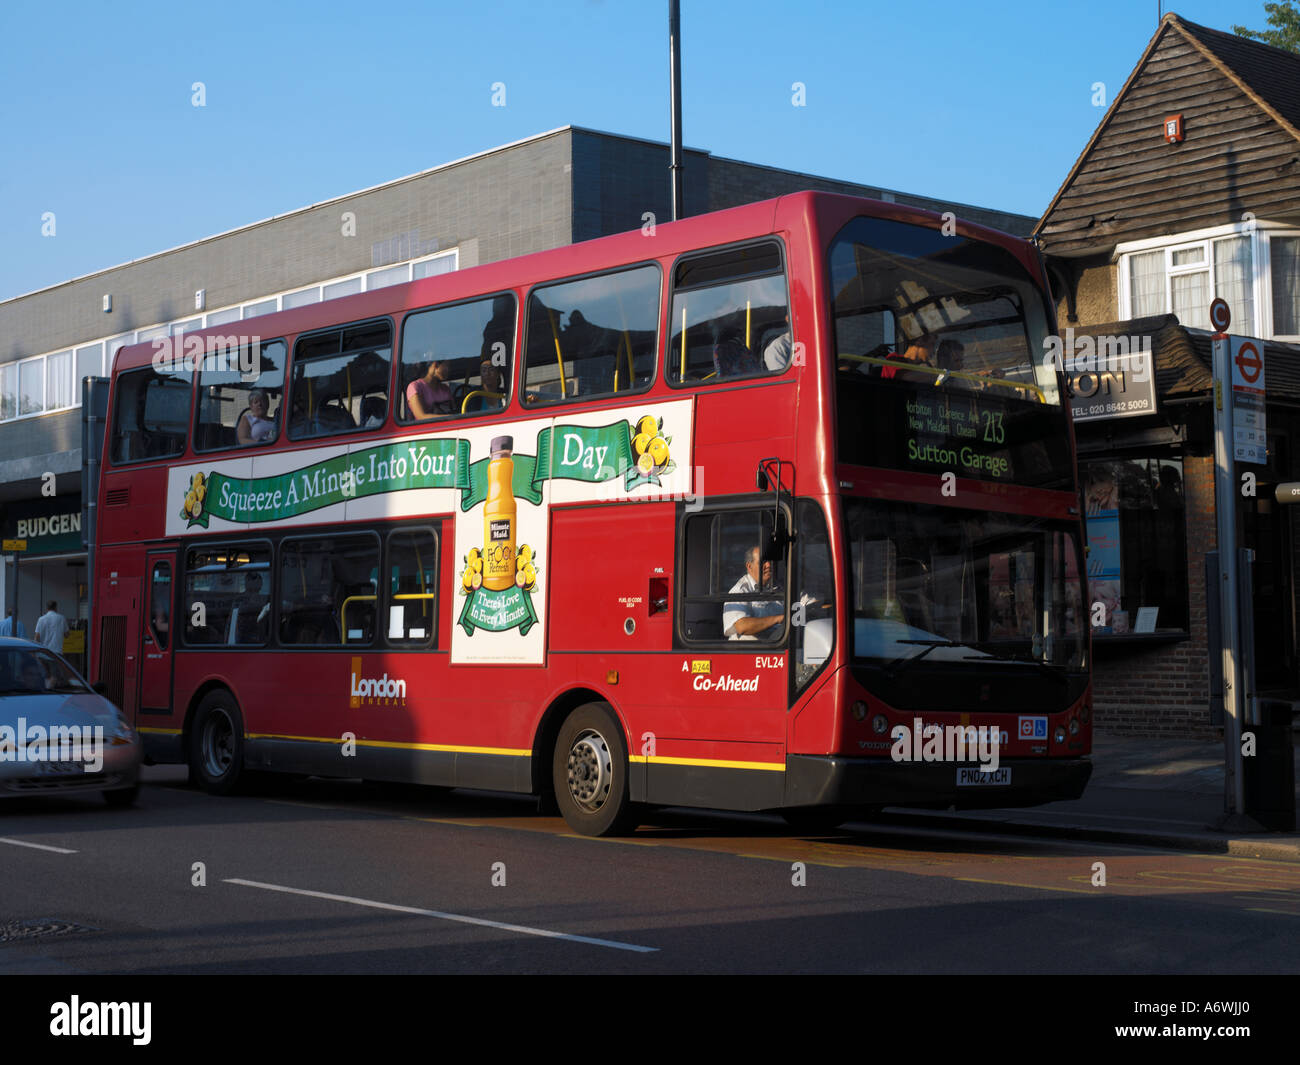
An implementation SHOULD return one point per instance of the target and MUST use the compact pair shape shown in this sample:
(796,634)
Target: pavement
(1153,792)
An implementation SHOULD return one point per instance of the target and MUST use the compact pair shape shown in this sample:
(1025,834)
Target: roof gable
(1241,150)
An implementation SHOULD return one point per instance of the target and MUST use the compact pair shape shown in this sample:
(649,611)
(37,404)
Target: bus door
(156,640)
(118,641)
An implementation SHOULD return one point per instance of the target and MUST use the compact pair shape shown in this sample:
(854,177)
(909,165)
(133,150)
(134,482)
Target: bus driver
(753,619)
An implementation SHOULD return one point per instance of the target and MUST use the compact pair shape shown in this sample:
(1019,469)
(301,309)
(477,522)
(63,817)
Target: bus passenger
(255,427)
(776,356)
(492,395)
(429,396)
(919,352)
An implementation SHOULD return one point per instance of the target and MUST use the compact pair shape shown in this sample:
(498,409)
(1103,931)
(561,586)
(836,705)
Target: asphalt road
(345,877)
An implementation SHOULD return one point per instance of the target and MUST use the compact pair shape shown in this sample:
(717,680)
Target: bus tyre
(217,744)
(589,772)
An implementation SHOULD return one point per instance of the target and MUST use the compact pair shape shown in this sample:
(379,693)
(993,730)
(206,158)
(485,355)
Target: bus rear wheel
(589,773)
(217,744)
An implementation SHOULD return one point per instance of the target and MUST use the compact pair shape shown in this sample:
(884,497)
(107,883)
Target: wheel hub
(590,770)
(218,745)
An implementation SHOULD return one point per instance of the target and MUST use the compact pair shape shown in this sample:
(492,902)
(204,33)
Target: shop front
(51,565)
(1146,462)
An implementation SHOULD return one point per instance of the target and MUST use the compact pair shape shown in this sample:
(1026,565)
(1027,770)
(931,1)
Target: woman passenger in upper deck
(255,426)
(429,396)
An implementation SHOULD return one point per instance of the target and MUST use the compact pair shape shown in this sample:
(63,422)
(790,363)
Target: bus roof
(825,212)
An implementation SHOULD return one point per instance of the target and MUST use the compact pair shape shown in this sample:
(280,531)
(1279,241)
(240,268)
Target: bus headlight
(1060,734)
(880,724)
(1074,726)
(859,711)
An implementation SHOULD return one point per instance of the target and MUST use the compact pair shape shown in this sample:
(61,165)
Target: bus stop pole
(1225,514)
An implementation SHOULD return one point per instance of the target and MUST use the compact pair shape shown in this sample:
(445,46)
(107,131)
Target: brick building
(1189,189)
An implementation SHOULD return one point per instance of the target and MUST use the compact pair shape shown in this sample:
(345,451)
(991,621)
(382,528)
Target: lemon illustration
(467,579)
(196,508)
(520,581)
(472,557)
(659,450)
(641,443)
(648,426)
(520,563)
(476,565)
(189,499)
(525,553)
(645,464)
(529,575)
(476,580)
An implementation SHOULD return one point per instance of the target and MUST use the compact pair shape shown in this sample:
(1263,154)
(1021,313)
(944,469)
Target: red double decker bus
(723,515)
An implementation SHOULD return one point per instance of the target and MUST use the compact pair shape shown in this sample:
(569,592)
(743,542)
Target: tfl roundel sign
(1247,365)
(1220,315)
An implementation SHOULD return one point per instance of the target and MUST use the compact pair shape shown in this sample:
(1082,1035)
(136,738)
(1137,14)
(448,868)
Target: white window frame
(1260,232)
(180,326)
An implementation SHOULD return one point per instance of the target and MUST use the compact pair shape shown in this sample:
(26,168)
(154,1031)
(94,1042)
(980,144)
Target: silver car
(57,735)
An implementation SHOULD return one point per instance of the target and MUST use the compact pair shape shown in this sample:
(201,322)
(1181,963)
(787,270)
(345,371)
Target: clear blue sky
(981,103)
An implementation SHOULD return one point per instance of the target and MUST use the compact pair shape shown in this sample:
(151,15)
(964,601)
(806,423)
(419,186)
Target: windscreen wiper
(903,661)
(1056,672)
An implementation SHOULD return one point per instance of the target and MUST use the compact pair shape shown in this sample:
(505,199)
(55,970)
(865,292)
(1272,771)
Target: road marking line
(36,846)
(1032,887)
(462,919)
(1260,909)
(607,839)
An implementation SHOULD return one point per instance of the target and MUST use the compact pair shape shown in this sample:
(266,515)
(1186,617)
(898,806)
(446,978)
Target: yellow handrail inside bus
(626,339)
(559,358)
(343,610)
(747,326)
(479,392)
(939,374)
(349,377)
(683,374)
(426,596)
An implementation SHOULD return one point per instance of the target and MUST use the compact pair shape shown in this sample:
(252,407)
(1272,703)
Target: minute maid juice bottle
(499,518)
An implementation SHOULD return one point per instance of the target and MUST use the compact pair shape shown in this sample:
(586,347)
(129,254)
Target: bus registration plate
(970,778)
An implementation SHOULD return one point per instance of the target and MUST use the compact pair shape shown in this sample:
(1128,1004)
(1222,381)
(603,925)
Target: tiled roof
(1273,74)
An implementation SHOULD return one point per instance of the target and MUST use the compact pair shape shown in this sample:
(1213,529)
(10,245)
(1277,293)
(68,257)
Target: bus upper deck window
(730,316)
(456,360)
(595,336)
(241,395)
(151,415)
(339,381)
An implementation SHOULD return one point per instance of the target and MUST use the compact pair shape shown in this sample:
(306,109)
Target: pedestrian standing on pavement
(52,628)
(11,626)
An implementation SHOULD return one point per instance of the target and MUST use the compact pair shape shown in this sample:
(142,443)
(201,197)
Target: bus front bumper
(836,780)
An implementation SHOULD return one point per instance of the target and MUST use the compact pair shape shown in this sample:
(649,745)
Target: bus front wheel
(589,772)
(217,744)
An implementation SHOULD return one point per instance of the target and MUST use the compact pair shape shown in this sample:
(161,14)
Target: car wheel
(217,744)
(589,773)
(122,796)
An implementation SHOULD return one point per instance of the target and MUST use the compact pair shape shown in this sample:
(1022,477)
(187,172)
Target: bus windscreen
(939,344)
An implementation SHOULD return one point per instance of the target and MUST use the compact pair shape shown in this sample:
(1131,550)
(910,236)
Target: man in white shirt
(52,628)
(755,619)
